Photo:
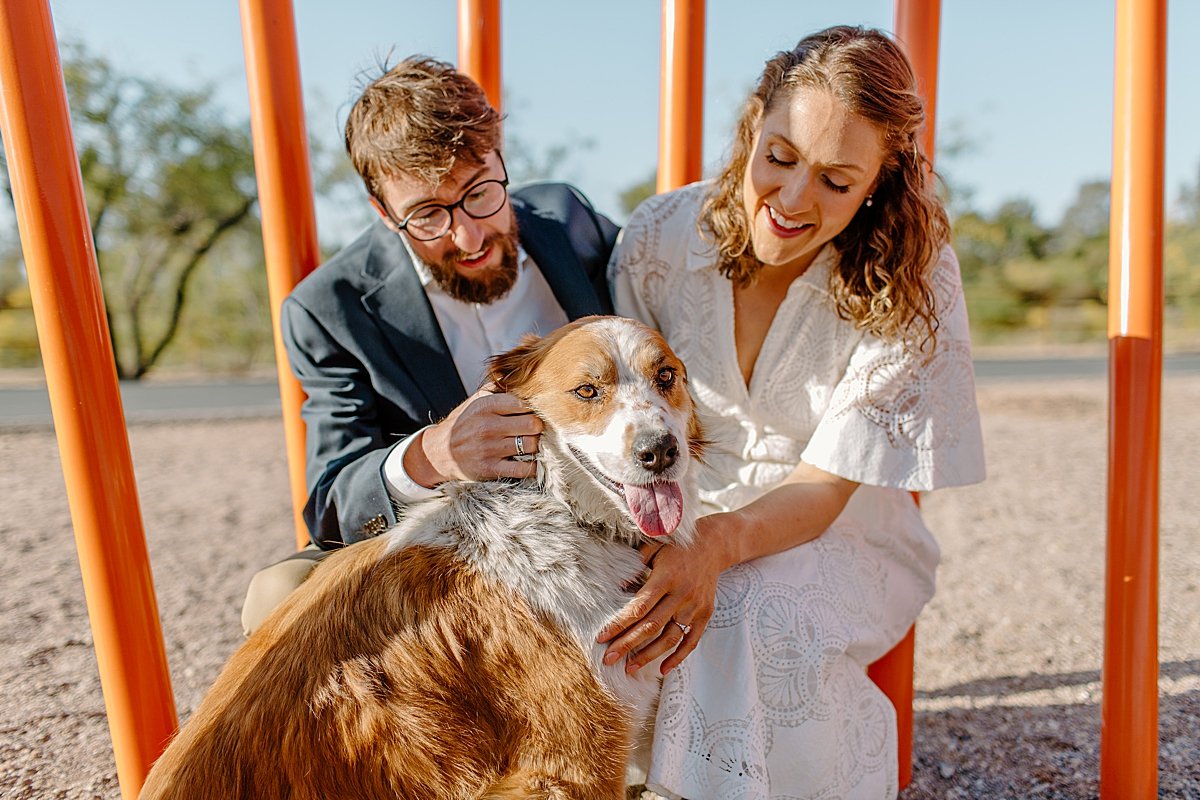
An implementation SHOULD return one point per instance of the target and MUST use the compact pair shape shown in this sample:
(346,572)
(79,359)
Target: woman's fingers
(667,615)
(676,636)
(621,630)
(651,625)
(686,645)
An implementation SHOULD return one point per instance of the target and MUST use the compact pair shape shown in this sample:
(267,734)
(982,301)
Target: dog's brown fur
(467,688)
(397,670)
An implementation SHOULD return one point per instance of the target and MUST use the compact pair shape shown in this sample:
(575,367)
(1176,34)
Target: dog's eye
(665,378)
(587,392)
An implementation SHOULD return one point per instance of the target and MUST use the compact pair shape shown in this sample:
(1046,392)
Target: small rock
(945,770)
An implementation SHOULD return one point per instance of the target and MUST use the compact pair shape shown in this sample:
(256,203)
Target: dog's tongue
(658,508)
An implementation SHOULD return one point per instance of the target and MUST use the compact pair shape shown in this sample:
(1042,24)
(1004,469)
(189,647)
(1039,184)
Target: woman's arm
(682,585)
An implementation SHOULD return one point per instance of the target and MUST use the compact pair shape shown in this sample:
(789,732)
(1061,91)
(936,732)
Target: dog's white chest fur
(520,537)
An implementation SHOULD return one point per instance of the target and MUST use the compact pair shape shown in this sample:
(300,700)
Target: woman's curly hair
(887,251)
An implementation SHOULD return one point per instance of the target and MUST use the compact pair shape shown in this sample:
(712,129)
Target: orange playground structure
(90,424)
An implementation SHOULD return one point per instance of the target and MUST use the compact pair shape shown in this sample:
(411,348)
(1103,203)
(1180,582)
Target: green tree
(168,178)
(168,181)
(632,197)
(1181,267)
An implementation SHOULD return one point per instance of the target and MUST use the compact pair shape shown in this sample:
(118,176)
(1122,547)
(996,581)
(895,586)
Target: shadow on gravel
(1007,752)
(1012,684)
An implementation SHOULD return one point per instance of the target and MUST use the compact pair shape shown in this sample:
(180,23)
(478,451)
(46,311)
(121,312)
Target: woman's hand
(673,606)
(681,590)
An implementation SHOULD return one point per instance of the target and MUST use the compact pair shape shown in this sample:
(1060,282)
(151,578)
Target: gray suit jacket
(364,343)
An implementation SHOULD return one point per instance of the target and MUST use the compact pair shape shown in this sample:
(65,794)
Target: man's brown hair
(421,118)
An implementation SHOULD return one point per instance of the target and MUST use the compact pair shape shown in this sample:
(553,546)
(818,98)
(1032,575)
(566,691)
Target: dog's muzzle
(656,507)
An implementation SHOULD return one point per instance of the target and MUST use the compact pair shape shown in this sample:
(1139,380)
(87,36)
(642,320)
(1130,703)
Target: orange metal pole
(893,674)
(285,196)
(82,381)
(918,27)
(681,94)
(918,24)
(479,45)
(1129,708)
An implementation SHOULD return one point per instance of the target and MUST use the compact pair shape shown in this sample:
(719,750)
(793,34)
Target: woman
(812,293)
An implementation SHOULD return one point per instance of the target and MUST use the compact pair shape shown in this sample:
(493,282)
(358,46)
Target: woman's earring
(870,201)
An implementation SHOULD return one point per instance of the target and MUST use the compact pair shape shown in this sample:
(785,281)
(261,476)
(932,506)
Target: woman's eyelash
(839,188)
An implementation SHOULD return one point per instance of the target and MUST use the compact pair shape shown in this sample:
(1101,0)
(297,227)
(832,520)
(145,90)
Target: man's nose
(466,232)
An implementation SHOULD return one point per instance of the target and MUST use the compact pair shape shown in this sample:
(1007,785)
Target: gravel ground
(1008,652)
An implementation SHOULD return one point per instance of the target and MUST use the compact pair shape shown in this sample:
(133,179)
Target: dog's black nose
(656,451)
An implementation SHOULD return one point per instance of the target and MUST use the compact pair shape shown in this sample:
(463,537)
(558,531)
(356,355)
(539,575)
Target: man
(390,336)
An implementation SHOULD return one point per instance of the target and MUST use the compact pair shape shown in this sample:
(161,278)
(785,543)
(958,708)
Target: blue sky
(1026,82)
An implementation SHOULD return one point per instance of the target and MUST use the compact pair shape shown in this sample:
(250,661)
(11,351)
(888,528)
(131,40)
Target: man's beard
(491,284)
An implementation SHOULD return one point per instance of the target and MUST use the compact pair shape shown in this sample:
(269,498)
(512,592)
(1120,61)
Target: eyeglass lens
(482,200)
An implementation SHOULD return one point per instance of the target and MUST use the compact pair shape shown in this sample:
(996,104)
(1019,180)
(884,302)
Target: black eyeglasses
(480,201)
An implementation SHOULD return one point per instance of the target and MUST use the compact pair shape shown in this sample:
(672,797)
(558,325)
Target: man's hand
(476,441)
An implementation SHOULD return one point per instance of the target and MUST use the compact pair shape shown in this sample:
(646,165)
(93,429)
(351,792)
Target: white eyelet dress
(775,701)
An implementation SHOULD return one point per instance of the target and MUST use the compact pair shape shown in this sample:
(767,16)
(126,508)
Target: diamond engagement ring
(520,442)
(685,628)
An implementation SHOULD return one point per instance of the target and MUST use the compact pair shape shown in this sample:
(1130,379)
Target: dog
(455,655)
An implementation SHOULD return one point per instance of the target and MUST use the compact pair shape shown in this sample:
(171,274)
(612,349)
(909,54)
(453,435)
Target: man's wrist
(402,485)
(418,465)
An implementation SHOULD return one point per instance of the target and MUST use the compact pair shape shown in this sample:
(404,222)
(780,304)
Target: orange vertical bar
(681,94)
(893,674)
(918,28)
(1129,706)
(285,197)
(479,45)
(82,381)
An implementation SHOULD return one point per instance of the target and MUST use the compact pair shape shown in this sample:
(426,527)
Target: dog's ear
(511,370)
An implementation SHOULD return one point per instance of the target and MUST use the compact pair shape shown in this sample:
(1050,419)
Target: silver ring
(685,628)
(520,442)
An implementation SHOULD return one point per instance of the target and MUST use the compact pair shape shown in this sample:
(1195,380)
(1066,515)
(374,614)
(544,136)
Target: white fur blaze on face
(639,448)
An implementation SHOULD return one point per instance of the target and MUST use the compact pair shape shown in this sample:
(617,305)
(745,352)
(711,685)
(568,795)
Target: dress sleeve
(907,420)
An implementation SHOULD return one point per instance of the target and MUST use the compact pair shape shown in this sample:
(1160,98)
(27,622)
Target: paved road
(26,406)
(21,407)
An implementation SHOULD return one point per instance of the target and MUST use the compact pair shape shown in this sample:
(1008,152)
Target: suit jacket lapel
(402,311)
(547,243)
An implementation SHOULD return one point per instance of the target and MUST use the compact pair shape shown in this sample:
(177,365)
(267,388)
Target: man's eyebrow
(411,207)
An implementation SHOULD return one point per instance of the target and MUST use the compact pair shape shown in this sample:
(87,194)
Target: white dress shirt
(475,332)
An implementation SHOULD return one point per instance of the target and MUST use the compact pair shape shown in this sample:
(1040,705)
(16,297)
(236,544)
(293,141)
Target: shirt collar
(421,268)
